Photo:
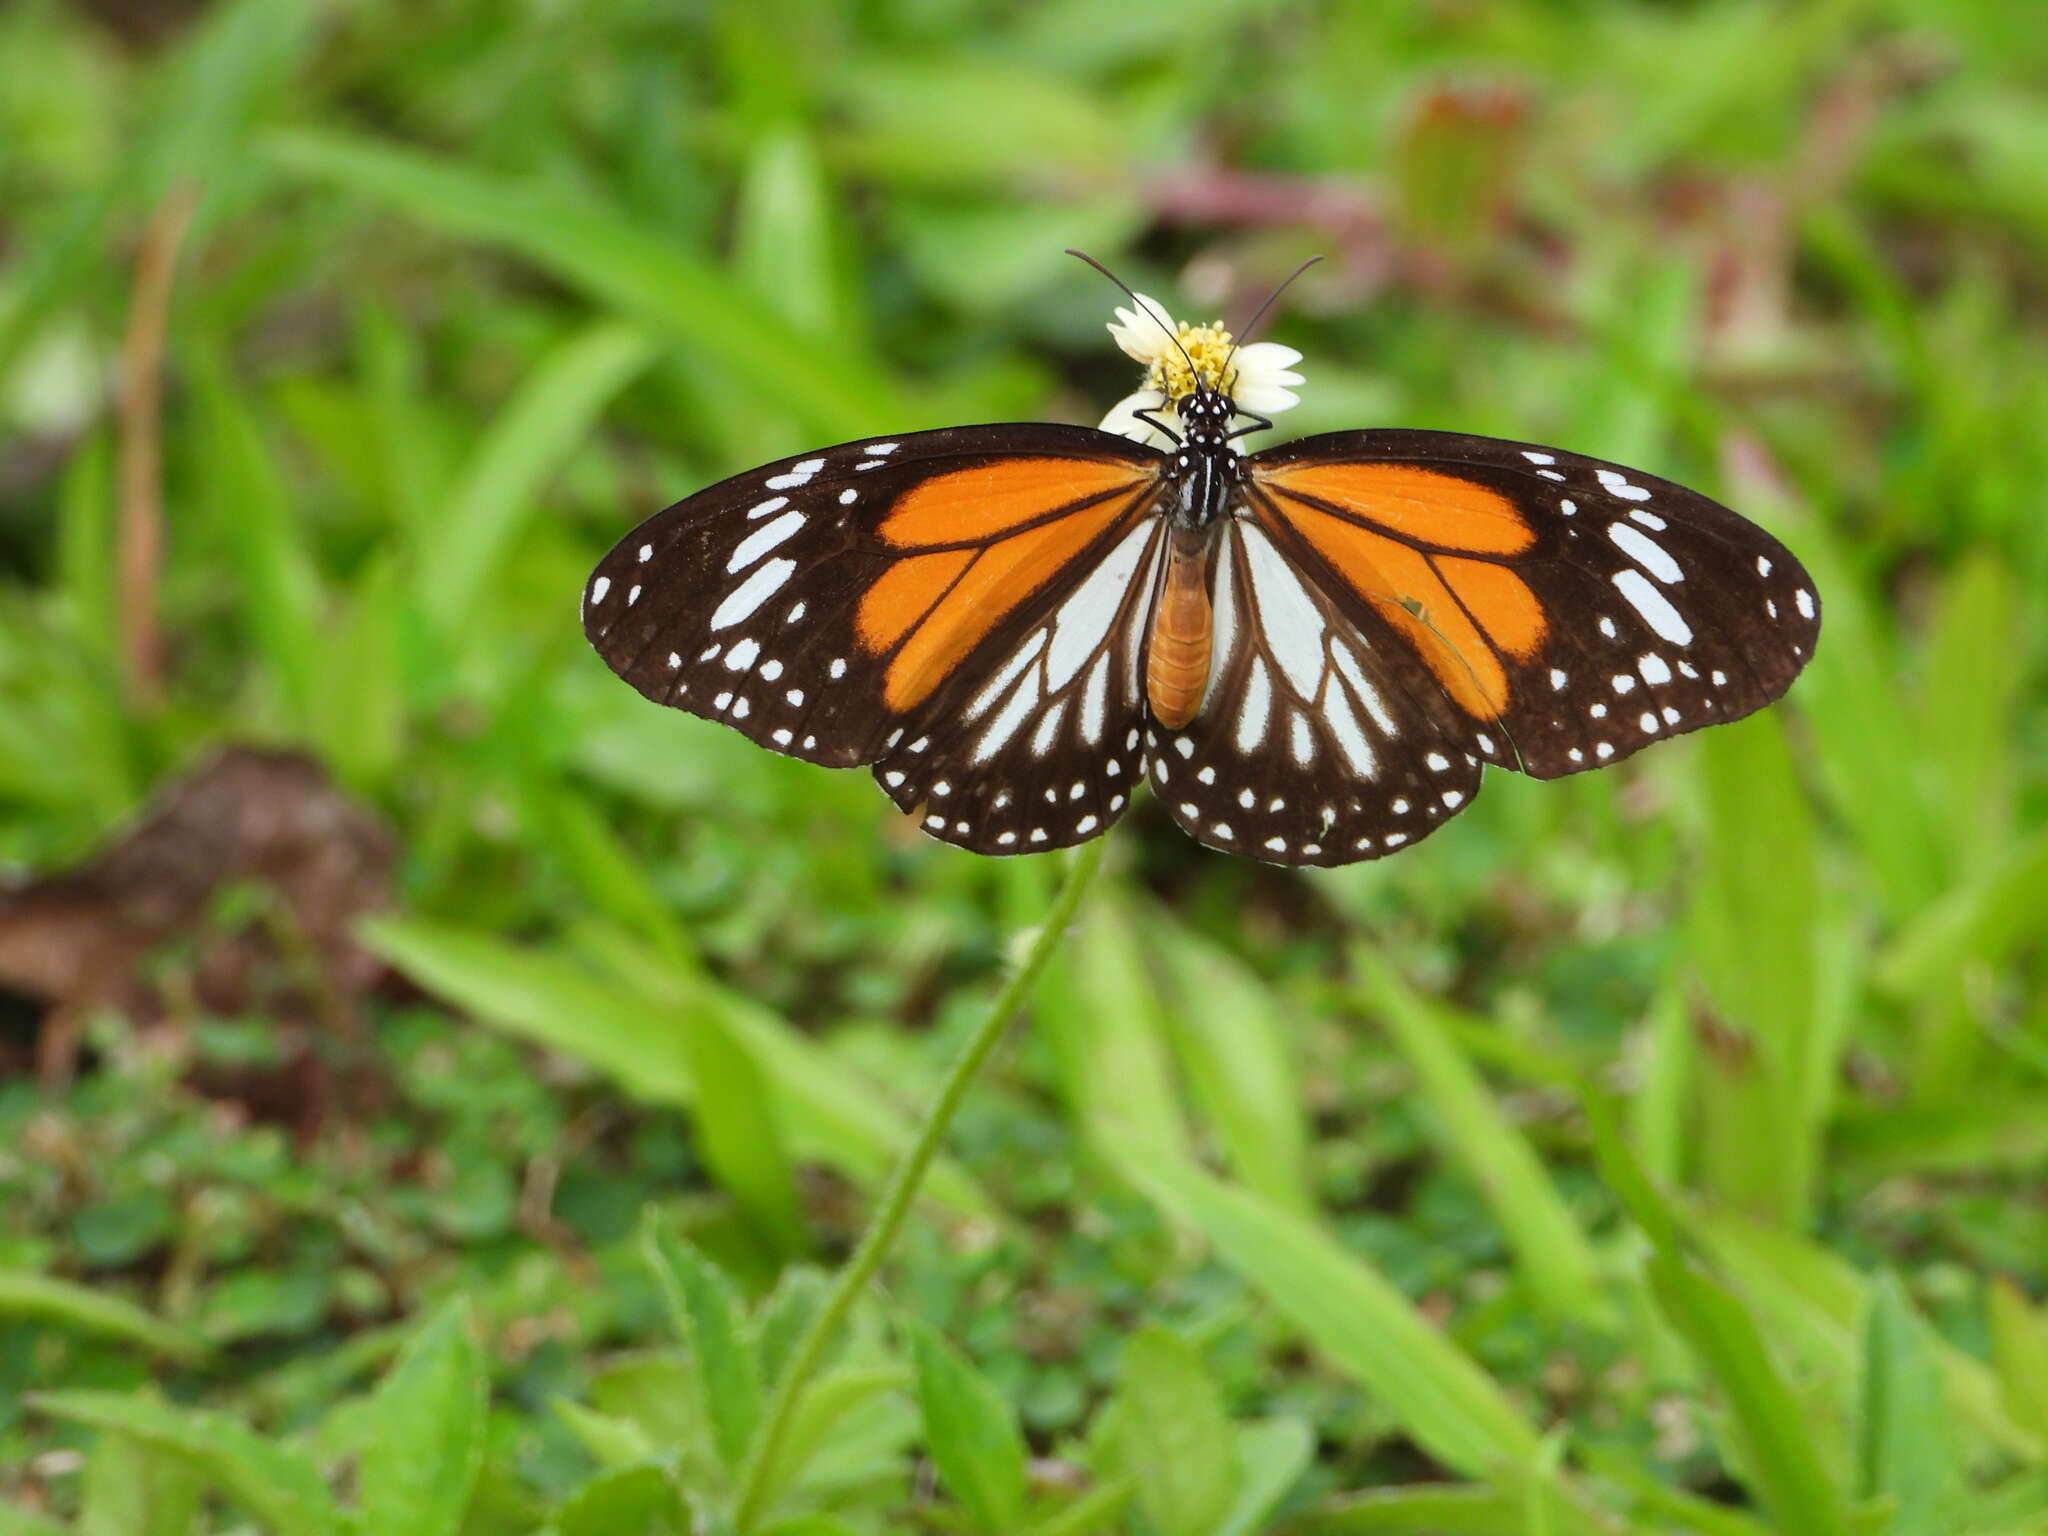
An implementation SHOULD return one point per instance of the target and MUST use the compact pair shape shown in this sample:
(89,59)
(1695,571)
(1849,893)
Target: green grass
(1658,1151)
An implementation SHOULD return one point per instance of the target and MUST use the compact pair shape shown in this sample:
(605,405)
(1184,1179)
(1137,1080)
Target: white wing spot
(1396,839)
(1437,761)
(709,653)
(795,697)
(1653,668)
(740,603)
(1116,802)
(1648,519)
(920,744)
(1720,678)
(1655,608)
(741,708)
(742,655)
(1301,739)
(1770,605)
(633,596)
(863,464)
(893,777)
(1038,834)
(1246,798)
(1221,829)
(1400,806)
(1557,680)
(1077,790)
(1598,711)
(1276,804)
(1670,715)
(674,661)
(1048,728)
(1189,809)
(1538,458)
(1576,755)
(1648,722)
(599,587)
(1619,486)
(1763,565)
(794,614)
(1602,749)
(1551,474)
(1004,839)
(935,821)
(770,670)
(1087,823)
(646,553)
(763,508)
(1207,775)
(722,700)
(1184,746)
(1485,742)
(1568,507)
(782,738)
(1277,844)
(1002,799)
(879,448)
(848,497)
(1646,552)
(1607,627)
(943,787)
(1453,798)
(1804,600)
(838,668)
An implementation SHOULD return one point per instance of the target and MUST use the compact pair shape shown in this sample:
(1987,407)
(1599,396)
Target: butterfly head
(1205,414)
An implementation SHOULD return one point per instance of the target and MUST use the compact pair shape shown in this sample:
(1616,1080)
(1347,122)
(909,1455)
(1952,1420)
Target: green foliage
(1657,1151)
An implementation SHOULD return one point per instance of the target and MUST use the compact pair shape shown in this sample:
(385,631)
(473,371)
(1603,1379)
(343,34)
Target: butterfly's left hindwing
(860,604)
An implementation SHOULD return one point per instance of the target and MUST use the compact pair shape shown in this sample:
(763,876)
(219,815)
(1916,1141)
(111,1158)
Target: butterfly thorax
(1205,469)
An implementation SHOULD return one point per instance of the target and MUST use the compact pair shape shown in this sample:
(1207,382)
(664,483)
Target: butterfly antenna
(1144,309)
(1260,313)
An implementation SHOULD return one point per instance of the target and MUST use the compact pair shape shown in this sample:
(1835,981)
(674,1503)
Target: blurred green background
(1660,1150)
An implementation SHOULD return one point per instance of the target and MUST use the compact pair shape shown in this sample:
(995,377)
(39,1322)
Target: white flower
(1261,375)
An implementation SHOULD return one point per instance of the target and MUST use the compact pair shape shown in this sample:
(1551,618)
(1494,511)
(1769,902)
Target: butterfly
(1309,652)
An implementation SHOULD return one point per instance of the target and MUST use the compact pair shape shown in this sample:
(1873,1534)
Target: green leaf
(1233,1040)
(633,1501)
(1551,1251)
(133,1488)
(1753,927)
(1771,1437)
(619,263)
(548,418)
(740,1133)
(611,1442)
(1178,1445)
(1271,1456)
(71,1305)
(970,1432)
(1903,1430)
(416,1476)
(274,1481)
(1108,1034)
(275,579)
(2019,1350)
(1351,1313)
(638,1036)
(707,1317)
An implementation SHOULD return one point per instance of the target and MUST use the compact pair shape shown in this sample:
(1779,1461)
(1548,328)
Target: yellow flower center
(1208,348)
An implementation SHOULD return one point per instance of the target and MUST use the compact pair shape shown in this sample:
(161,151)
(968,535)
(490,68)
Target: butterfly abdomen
(1177,661)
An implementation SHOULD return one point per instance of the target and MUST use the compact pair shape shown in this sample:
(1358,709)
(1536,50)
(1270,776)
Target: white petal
(1267,357)
(1264,399)
(1141,338)
(1123,418)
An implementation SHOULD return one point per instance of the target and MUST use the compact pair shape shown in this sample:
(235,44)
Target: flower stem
(875,1243)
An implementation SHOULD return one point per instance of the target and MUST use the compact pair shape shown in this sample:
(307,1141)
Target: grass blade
(549,417)
(1552,1253)
(620,264)
(1350,1313)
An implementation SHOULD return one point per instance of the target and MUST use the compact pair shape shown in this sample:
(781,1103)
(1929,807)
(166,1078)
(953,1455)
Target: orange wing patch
(1404,586)
(1501,601)
(1425,505)
(947,602)
(904,594)
(990,500)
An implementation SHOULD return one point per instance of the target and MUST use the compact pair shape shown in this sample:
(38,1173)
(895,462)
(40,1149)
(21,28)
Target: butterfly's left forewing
(955,607)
